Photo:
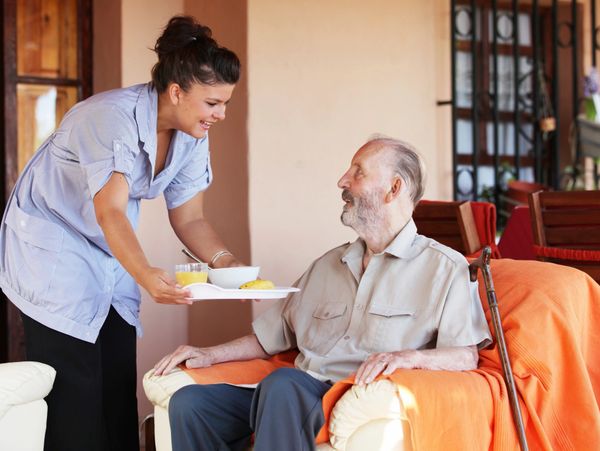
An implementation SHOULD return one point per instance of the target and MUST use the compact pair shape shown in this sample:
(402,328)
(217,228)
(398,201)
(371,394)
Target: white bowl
(233,277)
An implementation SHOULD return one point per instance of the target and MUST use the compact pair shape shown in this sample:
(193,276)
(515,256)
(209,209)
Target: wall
(165,326)
(107,45)
(324,76)
(227,199)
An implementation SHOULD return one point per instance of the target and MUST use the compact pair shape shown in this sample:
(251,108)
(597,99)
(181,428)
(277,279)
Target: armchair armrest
(370,417)
(23,410)
(23,382)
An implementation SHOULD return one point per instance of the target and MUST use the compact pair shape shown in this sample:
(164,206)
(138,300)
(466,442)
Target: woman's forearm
(123,243)
(199,237)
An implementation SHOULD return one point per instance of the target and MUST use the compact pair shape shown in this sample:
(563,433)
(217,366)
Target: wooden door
(47,68)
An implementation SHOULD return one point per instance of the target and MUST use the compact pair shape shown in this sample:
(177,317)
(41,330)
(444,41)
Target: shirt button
(359,307)
(326,315)
(23,223)
(347,337)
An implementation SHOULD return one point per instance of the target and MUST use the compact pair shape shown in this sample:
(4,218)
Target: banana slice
(258,284)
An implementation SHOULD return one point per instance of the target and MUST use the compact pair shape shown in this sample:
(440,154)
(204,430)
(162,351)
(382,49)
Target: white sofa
(23,411)
(365,418)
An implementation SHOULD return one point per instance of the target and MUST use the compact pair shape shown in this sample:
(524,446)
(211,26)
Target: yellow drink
(188,277)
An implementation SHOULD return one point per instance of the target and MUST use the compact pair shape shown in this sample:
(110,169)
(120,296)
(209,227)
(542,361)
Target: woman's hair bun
(187,53)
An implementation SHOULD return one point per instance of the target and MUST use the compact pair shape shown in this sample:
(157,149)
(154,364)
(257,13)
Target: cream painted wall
(324,76)
(165,326)
(226,203)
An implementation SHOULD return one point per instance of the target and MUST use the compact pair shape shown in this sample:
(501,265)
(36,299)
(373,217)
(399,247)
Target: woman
(71,261)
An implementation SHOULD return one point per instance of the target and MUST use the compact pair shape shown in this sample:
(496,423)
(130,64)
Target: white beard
(364,213)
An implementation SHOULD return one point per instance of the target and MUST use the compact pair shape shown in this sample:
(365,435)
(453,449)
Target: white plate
(203,291)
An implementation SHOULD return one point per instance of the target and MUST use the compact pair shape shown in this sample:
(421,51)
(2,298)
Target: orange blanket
(549,314)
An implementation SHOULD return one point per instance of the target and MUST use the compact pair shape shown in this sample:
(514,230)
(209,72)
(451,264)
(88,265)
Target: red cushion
(567,254)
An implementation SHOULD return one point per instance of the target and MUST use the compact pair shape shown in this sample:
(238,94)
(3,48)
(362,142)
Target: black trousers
(284,412)
(93,404)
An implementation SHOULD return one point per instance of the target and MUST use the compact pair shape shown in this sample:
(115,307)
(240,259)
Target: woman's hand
(163,289)
(192,356)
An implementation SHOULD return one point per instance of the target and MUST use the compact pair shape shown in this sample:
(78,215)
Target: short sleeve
(105,141)
(272,331)
(462,321)
(194,176)
(273,328)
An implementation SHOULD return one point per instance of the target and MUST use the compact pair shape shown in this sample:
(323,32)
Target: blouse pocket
(32,255)
(328,324)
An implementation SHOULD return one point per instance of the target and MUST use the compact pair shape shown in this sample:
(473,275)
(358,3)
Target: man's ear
(175,92)
(395,188)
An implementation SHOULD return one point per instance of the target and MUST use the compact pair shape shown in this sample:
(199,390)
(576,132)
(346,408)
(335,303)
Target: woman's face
(200,107)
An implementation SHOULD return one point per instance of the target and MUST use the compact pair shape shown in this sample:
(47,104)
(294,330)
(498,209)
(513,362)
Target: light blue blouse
(56,266)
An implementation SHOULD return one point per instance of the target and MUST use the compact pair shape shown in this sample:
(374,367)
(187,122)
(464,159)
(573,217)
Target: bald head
(403,160)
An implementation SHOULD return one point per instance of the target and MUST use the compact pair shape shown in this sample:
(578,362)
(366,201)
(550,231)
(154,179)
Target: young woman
(70,259)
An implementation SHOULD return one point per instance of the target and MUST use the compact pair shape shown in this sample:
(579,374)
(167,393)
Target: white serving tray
(204,291)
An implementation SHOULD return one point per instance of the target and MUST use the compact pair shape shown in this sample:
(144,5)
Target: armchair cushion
(23,411)
(23,382)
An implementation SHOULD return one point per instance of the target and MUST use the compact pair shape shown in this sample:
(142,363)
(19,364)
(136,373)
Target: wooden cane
(483,263)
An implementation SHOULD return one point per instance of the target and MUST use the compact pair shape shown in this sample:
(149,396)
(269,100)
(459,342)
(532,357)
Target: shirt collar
(146,115)
(399,247)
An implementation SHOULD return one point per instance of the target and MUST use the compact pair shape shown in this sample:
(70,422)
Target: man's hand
(460,358)
(192,356)
(163,289)
(384,363)
(244,348)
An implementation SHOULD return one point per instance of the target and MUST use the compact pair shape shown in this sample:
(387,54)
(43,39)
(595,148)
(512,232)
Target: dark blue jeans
(284,412)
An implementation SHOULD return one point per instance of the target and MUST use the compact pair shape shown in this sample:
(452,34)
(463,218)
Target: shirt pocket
(32,253)
(389,327)
(327,325)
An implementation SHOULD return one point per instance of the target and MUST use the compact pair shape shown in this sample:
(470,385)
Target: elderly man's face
(364,188)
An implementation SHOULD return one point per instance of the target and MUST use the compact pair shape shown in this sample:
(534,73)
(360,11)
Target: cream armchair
(550,315)
(23,411)
(368,417)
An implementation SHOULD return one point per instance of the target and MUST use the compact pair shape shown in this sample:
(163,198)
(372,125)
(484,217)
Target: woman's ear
(175,92)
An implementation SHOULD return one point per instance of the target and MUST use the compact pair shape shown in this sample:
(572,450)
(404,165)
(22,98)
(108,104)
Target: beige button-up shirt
(416,294)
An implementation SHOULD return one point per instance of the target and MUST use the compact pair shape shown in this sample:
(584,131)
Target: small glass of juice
(189,273)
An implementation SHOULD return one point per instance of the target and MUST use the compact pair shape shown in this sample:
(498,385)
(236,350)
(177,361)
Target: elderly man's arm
(245,348)
(453,359)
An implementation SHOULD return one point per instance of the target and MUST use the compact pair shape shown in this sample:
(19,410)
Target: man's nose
(343,182)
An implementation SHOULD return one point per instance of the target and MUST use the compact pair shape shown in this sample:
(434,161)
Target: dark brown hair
(188,54)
